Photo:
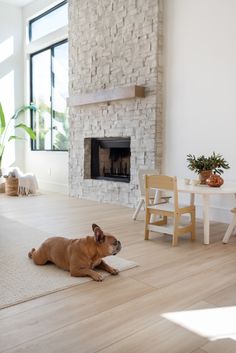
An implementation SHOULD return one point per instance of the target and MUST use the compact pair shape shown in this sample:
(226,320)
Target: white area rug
(20,278)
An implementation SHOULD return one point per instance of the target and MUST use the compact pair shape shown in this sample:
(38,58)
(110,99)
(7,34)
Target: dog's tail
(31,253)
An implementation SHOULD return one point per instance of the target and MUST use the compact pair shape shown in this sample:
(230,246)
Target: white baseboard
(53,186)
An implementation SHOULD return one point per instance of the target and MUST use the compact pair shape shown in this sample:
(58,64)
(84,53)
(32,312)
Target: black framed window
(49,21)
(49,91)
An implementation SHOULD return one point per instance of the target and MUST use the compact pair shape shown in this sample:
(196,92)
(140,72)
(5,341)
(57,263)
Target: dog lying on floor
(79,256)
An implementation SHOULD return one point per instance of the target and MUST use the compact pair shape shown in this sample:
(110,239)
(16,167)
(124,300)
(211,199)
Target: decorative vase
(204,174)
(215,180)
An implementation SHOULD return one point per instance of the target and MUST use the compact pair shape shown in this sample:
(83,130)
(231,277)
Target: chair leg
(147,221)
(175,239)
(193,232)
(229,230)
(175,233)
(141,201)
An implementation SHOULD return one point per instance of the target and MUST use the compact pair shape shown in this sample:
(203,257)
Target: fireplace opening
(110,158)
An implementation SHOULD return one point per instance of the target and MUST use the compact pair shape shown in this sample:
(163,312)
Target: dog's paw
(97,277)
(114,271)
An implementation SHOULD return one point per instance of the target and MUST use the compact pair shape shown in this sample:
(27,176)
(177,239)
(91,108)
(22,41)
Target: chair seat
(167,228)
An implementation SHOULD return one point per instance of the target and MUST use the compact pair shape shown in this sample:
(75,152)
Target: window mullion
(52,88)
(32,143)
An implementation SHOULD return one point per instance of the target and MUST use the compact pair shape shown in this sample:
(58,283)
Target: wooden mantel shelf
(108,95)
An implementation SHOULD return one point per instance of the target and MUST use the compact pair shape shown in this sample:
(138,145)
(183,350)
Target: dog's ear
(94,226)
(98,233)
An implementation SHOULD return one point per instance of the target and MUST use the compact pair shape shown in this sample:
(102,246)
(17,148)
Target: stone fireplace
(114,48)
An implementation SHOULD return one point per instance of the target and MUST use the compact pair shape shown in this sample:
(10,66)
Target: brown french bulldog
(79,256)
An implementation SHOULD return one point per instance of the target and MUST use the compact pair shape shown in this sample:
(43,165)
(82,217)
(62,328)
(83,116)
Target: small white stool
(156,198)
(230,228)
(141,176)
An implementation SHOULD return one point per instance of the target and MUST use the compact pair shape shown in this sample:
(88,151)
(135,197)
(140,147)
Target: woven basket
(11,187)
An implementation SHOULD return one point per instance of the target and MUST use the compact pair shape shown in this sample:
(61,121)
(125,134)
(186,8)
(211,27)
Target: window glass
(59,96)
(41,96)
(48,22)
(49,91)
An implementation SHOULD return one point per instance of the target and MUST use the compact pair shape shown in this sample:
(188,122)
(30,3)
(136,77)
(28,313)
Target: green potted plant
(205,166)
(8,129)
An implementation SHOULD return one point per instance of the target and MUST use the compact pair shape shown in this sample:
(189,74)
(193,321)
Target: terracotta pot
(215,180)
(204,175)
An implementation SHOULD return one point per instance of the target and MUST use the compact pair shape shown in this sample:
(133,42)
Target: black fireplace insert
(110,158)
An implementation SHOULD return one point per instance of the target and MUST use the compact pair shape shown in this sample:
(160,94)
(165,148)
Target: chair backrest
(141,177)
(162,183)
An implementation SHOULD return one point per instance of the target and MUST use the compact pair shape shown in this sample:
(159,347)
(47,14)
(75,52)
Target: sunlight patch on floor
(214,323)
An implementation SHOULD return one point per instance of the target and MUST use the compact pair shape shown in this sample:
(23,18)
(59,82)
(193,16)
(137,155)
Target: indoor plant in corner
(207,166)
(8,129)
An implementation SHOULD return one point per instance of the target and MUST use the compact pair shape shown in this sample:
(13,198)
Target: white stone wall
(115,44)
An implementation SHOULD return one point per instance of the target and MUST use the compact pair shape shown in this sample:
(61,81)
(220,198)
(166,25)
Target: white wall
(11,75)
(200,106)
(51,168)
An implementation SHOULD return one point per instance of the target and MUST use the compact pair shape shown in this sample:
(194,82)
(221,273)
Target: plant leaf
(13,137)
(27,129)
(2,147)
(2,120)
(215,162)
(22,109)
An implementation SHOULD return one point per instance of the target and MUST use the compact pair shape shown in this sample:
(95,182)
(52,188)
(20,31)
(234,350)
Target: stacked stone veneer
(114,44)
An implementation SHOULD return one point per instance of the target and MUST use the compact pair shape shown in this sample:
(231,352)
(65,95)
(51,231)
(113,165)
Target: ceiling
(17,2)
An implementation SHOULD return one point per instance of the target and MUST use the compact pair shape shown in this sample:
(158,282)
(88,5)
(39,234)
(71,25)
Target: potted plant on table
(8,129)
(207,166)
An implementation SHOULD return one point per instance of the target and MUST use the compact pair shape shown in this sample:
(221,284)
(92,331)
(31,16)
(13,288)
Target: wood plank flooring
(127,313)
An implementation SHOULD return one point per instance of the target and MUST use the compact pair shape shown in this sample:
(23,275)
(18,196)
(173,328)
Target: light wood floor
(126,313)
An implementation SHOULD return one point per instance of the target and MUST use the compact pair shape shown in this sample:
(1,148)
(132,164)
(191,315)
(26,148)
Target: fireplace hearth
(110,159)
